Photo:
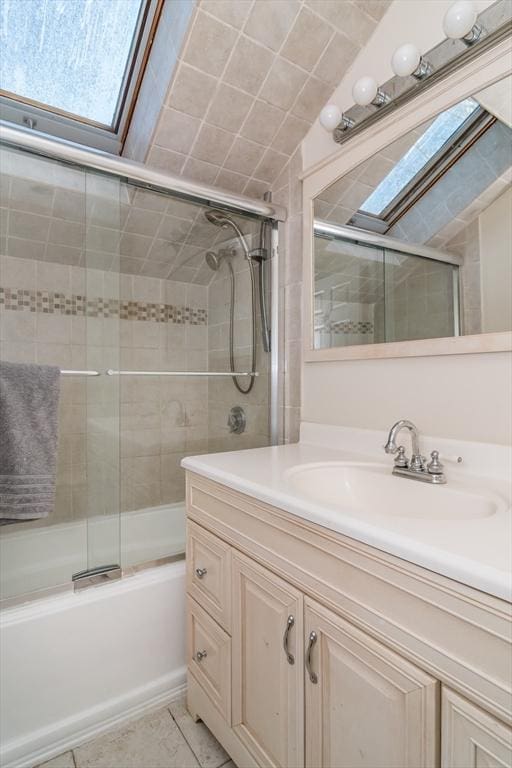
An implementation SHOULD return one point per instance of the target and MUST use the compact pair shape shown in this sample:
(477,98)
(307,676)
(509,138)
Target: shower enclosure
(148,292)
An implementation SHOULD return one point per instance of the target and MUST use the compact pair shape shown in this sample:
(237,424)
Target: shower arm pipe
(19,137)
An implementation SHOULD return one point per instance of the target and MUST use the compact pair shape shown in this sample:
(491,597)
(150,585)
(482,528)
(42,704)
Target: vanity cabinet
(267,705)
(365,705)
(310,650)
(471,737)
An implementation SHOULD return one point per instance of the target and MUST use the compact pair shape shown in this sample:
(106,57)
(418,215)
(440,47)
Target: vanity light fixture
(366,91)
(331,117)
(460,22)
(407,60)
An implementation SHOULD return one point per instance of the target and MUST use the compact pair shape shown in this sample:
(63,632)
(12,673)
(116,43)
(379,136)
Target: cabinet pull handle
(313,637)
(200,655)
(200,572)
(290,621)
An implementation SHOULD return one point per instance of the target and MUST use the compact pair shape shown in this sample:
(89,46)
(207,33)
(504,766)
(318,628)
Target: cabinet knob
(201,572)
(200,655)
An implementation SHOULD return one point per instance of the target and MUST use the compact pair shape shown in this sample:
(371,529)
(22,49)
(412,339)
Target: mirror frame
(492,65)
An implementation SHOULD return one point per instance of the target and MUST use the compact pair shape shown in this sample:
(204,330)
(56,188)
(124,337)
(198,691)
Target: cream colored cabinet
(471,738)
(365,705)
(311,650)
(267,669)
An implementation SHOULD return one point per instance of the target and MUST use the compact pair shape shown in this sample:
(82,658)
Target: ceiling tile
(192,91)
(262,122)
(229,108)
(209,45)
(271,20)
(307,39)
(283,83)
(248,66)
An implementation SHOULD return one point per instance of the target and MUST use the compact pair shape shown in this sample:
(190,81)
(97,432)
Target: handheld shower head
(220,219)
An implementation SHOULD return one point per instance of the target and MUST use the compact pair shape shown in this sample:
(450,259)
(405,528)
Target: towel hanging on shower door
(29,401)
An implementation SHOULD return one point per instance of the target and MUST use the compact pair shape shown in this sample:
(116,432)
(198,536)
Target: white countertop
(476,551)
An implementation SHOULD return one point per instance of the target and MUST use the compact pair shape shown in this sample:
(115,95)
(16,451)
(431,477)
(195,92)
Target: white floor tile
(204,745)
(154,741)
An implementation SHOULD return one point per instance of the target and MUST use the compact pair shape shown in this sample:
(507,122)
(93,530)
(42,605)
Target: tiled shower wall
(133,322)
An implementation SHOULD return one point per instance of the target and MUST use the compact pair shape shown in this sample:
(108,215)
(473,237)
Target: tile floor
(166,738)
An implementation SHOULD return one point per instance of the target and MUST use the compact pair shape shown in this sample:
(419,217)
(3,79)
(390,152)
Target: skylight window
(78,59)
(414,161)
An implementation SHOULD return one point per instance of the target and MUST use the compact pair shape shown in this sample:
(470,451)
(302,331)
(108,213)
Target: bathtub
(32,559)
(77,664)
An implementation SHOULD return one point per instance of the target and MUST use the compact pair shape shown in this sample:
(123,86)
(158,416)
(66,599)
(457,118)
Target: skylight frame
(77,128)
(449,153)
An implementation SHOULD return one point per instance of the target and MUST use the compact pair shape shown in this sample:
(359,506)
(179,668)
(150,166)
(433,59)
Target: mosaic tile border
(350,326)
(52,303)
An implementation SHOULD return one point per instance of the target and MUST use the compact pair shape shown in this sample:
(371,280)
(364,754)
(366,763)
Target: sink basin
(372,489)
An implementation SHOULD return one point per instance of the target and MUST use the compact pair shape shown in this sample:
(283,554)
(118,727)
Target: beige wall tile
(249,65)
(290,134)
(244,156)
(271,20)
(29,226)
(311,99)
(283,83)
(262,123)
(233,13)
(233,182)
(17,247)
(176,130)
(270,166)
(192,91)
(347,16)
(165,160)
(337,57)
(212,144)
(209,45)
(229,108)
(307,39)
(200,171)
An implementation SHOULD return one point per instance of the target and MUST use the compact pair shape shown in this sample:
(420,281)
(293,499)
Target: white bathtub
(77,664)
(32,559)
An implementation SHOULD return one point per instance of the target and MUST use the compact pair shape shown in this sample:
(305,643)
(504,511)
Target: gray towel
(29,401)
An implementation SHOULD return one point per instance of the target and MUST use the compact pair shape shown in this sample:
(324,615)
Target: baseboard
(46,743)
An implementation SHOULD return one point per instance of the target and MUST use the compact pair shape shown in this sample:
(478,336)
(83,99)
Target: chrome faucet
(416,468)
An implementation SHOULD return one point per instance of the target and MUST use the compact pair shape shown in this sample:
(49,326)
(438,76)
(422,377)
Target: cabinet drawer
(209,657)
(209,573)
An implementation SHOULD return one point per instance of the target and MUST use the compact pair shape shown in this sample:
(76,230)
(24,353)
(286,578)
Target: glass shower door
(101,260)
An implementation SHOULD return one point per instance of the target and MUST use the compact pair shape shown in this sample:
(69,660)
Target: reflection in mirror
(415,242)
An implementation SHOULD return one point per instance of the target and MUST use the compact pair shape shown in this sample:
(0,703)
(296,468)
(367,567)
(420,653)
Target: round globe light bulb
(459,19)
(364,91)
(405,60)
(330,117)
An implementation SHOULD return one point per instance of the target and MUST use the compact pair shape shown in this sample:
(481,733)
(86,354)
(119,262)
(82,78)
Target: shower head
(213,260)
(220,219)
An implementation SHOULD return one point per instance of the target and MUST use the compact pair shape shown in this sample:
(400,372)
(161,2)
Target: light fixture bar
(437,64)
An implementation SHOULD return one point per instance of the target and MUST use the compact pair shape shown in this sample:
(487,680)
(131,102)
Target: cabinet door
(470,738)
(268,683)
(365,705)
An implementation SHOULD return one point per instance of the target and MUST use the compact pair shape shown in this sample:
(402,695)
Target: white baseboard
(44,744)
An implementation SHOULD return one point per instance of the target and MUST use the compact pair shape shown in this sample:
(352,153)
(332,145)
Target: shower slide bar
(111,372)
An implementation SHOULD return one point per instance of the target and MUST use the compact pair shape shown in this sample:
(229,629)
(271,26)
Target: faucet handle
(434,467)
(401,459)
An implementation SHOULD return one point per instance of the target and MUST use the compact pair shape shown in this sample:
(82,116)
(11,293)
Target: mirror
(416,242)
